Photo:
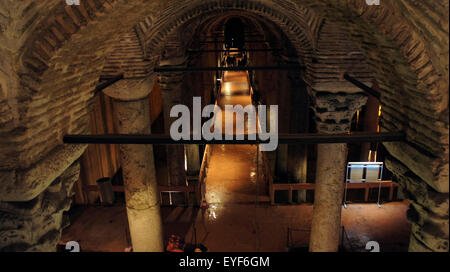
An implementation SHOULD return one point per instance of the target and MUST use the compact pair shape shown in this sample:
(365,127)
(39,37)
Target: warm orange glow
(372,158)
(185,160)
(379,115)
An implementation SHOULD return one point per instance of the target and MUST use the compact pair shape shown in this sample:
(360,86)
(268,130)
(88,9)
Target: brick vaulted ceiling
(53,55)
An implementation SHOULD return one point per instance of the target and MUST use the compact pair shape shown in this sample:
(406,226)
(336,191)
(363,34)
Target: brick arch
(409,58)
(296,26)
(216,24)
(59,65)
(212,22)
(54,31)
(424,61)
(414,89)
(205,24)
(38,56)
(411,70)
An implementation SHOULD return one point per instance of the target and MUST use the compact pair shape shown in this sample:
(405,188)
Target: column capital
(170,81)
(131,89)
(173,56)
(334,111)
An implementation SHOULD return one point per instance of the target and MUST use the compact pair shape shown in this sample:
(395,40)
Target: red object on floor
(204,205)
(175,244)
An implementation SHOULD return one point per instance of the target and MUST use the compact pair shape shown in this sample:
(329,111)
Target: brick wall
(53,56)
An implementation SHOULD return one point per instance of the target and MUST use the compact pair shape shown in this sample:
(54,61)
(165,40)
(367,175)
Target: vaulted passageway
(232,173)
(55,59)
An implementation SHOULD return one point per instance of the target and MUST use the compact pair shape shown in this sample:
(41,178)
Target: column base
(146,229)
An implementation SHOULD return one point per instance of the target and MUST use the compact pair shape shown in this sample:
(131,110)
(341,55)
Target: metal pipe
(362,86)
(232,51)
(249,41)
(246,68)
(108,83)
(282,139)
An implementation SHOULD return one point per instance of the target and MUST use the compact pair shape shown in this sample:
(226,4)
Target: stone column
(171,85)
(36,225)
(333,114)
(132,116)
(428,210)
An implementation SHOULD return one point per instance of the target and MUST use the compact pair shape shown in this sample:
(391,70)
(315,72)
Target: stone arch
(51,76)
(284,17)
(414,87)
(408,71)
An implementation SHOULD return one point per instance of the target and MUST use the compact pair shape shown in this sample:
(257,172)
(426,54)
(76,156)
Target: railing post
(391,191)
(272,196)
(290,195)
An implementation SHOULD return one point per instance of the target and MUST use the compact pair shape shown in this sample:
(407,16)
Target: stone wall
(127,58)
(36,225)
(53,56)
(428,212)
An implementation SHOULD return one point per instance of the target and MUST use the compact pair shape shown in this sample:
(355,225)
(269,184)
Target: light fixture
(185,160)
(360,172)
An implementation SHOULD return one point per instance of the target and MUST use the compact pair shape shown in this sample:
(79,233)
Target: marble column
(171,85)
(333,114)
(132,116)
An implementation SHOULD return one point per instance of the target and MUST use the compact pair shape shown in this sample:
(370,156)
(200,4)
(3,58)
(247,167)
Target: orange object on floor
(175,244)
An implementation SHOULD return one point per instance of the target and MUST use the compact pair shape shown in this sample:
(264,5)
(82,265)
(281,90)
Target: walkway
(232,227)
(236,220)
(231,176)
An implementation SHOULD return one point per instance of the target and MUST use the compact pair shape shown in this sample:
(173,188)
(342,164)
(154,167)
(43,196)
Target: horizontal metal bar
(108,83)
(249,41)
(246,68)
(162,188)
(315,138)
(358,137)
(311,186)
(362,86)
(221,35)
(233,51)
